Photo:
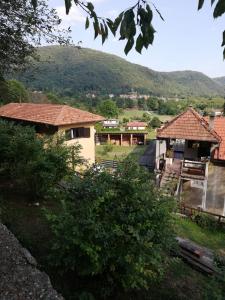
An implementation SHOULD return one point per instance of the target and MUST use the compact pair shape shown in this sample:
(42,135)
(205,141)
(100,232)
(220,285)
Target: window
(75,133)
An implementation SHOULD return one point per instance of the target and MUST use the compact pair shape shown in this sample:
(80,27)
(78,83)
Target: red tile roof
(219,127)
(137,124)
(52,114)
(189,125)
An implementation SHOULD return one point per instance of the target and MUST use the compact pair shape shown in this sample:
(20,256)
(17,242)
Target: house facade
(136,125)
(185,148)
(110,123)
(52,119)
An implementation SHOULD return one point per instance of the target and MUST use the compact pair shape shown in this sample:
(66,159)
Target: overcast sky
(187,40)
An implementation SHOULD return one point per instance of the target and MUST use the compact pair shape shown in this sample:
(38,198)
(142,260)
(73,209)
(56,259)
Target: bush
(32,164)
(107,148)
(115,226)
(155,122)
(206,221)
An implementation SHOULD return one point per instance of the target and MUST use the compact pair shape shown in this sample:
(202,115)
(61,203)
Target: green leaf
(96,29)
(87,23)
(117,23)
(110,25)
(150,14)
(139,43)
(128,28)
(103,33)
(223,43)
(200,4)
(219,9)
(68,5)
(106,29)
(129,45)
(90,6)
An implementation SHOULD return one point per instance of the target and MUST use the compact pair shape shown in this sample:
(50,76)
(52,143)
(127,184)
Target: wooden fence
(108,164)
(191,211)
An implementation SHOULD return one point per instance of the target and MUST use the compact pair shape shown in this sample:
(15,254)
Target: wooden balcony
(193,170)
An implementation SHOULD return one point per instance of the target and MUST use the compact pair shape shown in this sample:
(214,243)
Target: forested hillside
(69,70)
(220,80)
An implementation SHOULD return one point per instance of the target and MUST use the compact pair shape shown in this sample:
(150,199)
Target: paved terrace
(215,191)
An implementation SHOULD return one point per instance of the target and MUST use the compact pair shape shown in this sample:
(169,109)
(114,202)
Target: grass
(120,152)
(213,239)
(181,282)
(135,113)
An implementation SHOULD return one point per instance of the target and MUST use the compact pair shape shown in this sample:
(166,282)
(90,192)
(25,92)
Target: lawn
(119,152)
(213,239)
(137,114)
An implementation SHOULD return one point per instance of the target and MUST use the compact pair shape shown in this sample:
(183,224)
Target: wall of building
(87,144)
(160,151)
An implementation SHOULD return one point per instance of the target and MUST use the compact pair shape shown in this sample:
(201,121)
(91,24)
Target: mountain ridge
(68,70)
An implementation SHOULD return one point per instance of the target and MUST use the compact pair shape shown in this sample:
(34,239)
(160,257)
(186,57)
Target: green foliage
(146,117)
(169,107)
(134,24)
(125,120)
(206,222)
(69,71)
(107,148)
(155,122)
(22,29)
(108,109)
(115,226)
(33,165)
(13,91)
(152,103)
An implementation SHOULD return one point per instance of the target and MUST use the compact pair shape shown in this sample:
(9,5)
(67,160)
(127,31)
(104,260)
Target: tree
(23,28)
(134,24)
(108,109)
(32,164)
(117,227)
(155,122)
(13,91)
(152,103)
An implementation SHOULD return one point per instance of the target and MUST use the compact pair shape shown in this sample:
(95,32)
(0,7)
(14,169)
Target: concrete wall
(87,144)
(160,150)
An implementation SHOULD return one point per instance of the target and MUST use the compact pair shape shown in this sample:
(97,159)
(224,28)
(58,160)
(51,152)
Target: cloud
(75,15)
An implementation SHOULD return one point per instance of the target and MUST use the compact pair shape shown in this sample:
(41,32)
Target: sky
(188,39)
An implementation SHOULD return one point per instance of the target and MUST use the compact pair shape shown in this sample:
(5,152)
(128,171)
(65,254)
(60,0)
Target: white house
(136,125)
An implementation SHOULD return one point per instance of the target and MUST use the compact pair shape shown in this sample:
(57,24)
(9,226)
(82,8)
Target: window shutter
(87,132)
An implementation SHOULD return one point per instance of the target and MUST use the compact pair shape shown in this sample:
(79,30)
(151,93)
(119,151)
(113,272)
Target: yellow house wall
(87,144)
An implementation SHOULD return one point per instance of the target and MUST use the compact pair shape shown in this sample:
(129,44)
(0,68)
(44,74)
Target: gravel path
(19,277)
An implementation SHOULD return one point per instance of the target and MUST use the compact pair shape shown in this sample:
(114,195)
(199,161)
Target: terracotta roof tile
(219,127)
(189,125)
(52,114)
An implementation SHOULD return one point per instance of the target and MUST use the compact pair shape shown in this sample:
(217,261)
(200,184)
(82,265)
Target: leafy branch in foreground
(219,10)
(23,28)
(134,24)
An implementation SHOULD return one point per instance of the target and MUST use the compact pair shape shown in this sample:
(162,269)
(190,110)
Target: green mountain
(220,81)
(69,70)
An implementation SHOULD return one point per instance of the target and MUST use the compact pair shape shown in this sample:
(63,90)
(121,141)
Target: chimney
(211,120)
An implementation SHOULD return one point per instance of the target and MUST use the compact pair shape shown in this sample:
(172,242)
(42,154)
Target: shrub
(155,122)
(32,164)
(107,148)
(115,226)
